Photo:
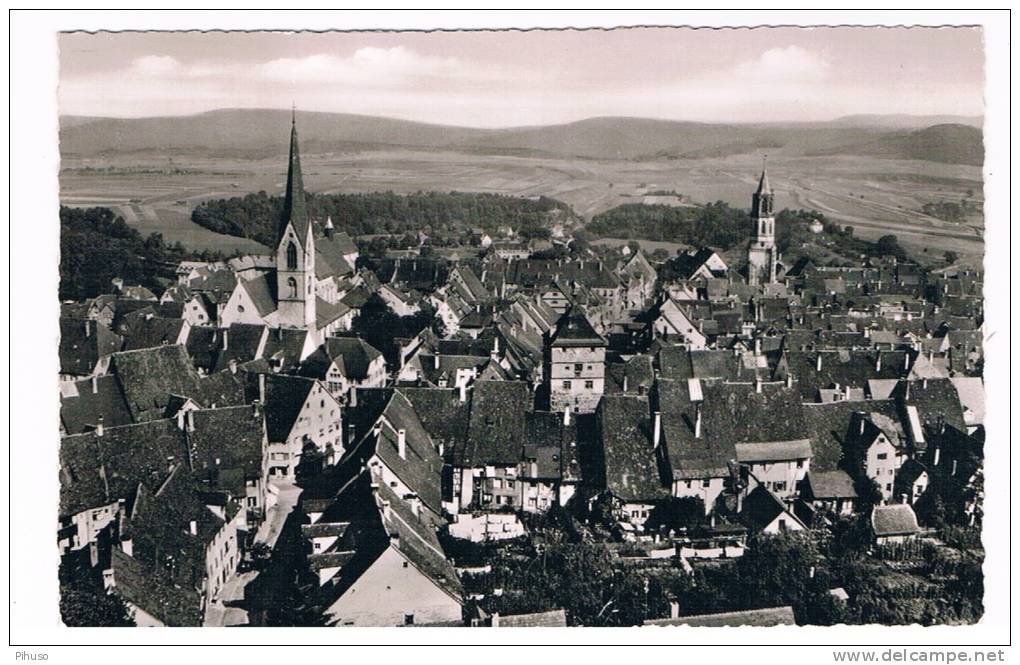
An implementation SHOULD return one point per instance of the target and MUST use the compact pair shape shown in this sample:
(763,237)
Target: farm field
(874,195)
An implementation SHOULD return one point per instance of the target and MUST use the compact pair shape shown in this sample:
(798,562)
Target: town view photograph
(650,327)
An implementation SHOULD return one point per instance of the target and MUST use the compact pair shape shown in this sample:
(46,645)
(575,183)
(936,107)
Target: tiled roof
(150,590)
(547,619)
(327,312)
(496,423)
(92,399)
(731,413)
(151,331)
(896,519)
(770,616)
(262,291)
(827,426)
(285,395)
(82,343)
(625,432)
(574,329)
(831,485)
(147,377)
(99,469)
(774,451)
(762,507)
(224,439)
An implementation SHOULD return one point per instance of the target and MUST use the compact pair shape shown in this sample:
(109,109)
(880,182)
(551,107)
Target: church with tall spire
(295,249)
(761,251)
(311,262)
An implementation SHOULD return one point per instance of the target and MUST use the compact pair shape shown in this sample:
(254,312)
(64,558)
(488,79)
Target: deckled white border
(33,364)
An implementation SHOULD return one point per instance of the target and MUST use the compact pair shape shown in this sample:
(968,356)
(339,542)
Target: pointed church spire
(294,210)
(763,182)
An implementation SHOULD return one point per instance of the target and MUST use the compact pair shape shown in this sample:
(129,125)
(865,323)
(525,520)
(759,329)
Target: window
(707,482)
(566,385)
(589,385)
(800,464)
(408,619)
(782,525)
(780,486)
(883,455)
(291,256)
(578,367)
(240,308)
(292,287)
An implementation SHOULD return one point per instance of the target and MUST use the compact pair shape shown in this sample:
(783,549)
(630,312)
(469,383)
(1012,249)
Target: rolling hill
(261,133)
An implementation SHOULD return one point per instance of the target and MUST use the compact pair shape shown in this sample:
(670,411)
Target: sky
(514,78)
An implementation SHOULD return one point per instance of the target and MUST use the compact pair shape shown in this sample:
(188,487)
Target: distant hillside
(905,121)
(250,132)
(949,144)
(262,133)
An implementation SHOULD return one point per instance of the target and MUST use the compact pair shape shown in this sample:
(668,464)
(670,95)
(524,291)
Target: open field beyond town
(875,195)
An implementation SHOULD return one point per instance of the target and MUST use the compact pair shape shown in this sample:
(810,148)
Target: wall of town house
(390,592)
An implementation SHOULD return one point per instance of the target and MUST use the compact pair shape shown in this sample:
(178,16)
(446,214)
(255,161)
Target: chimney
(878,362)
(906,361)
(463,392)
(757,346)
(435,361)
(127,546)
(352,401)
(818,363)
(789,380)
(88,327)
(953,472)
(262,388)
(189,419)
(924,383)
(697,422)
(674,609)
(860,420)
(624,381)
(193,528)
(99,426)
(757,385)
(233,365)
(256,409)
(225,340)
(402,443)
(566,415)
(329,227)
(657,429)
(352,432)
(494,620)
(95,384)
(935,460)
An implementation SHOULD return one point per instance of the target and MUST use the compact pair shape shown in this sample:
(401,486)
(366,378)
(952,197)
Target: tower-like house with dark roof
(761,252)
(575,359)
(295,251)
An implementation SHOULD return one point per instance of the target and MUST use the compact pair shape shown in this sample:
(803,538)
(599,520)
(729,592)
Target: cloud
(789,64)
(155,65)
(373,66)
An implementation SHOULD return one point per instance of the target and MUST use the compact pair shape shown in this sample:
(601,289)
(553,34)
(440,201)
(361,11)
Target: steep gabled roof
(147,377)
(285,395)
(630,466)
(574,329)
(82,343)
(92,399)
(496,423)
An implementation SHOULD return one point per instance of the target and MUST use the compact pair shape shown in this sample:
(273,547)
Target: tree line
(96,245)
(256,215)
